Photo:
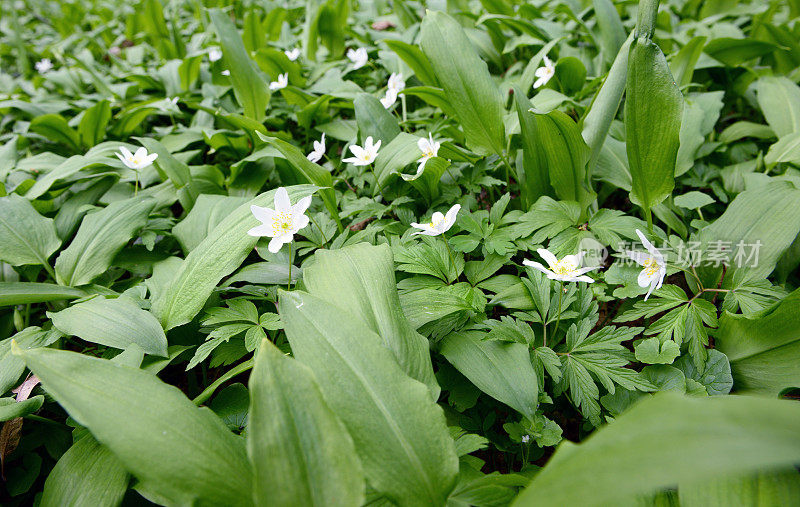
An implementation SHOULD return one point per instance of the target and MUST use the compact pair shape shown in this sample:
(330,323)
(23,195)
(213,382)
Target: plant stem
(289,283)
(560,295)
(136,184)
(452,258)
(508,170)
(208,391)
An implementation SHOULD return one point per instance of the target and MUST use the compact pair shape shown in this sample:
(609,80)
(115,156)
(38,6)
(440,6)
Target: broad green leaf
(183,453)
(398,430)
(653,111)
(612,33)
(374,120)
(533,175)
(208,211)
(92,128)
(26,237)
(742,129)
(500,369)
(734,52)
(394,156)
(693,200)
(360,280)
(20,293)
(683,62)
(11,408)
(113,322)
(416,59)
(100,236)
(64,170)
(787,149)
(248,83)
(466,82)
(217,256)
(603,109)
(311,172)
(176,171)
(779,99)
(762,488)
(694,439)
(763,347)
(758,226)
(87,474)
(55,128)
(565,153)
(300,451)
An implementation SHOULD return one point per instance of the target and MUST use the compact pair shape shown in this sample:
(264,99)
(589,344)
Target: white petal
(263,215)
(648,246)
(299,221)
(452,214)
(581,271)
(282,200)
(261,230)
(538,266)
(540,82)
(141,153)
(644,279)
(547,256)
(638,257)
(150,158)
(277,242)
(437,217)
(301,206)
(353,160)
(583,279)
(122,158)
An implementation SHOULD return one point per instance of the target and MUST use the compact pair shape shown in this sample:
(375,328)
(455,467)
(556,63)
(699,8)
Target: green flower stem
(558,319)
(206,394)
(452,257)
(289,283)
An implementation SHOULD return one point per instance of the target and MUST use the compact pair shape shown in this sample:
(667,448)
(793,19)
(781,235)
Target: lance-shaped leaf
(300,451)
(217,256)
(763,348)
(653,110)
(87,474)
(20,293)
(399,432)
(184,454)
(100,236)
(532,174)
(26,237)
(693,438)
(466,81)
(374,120)
(113,322)
(360,280)
(500,369)
(249,85)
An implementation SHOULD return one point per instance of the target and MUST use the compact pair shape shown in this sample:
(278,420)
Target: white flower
(358,56)
(389,99)
(138,160)
(319,150)
(281,223)
(439,223)
(396,82)
(226,72)
(655,266)
(282,82)
(292,54)
(429,149)
(567,269)
(169,104)
(544,73)
(365,155)
(43,65)
(214,54)
(526,439)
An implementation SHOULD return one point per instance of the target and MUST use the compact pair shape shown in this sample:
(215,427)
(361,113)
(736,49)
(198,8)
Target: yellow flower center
(651,266)
(282,222)
(435,223)
(562,267)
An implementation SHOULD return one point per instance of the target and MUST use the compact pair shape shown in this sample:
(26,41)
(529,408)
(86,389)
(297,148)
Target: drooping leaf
(694,439)
(183,453)
(116,323)
(398,430)
(466,82)
(300,451)
(26,237)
